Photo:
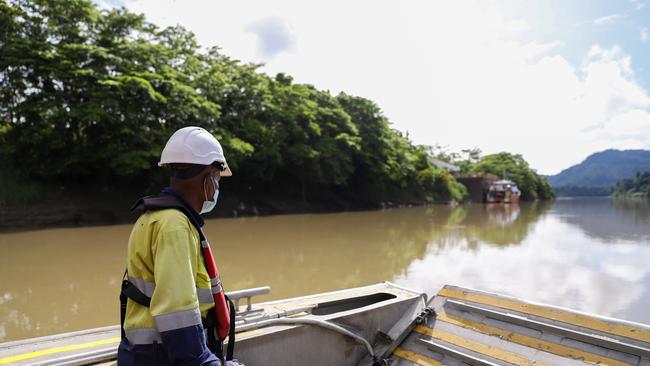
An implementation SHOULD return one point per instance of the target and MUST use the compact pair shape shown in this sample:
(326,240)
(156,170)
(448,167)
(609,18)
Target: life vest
(220,321)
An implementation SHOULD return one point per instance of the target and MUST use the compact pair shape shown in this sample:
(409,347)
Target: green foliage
(15,189)
(388,165)
(89,98)
(638,187)
(515,168)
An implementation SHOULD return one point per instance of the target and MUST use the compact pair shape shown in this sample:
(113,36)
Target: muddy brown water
(587,254)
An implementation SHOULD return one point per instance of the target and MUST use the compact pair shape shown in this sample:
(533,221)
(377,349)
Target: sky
(553,80)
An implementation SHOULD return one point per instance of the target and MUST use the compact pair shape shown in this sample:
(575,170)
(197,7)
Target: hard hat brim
(225,173)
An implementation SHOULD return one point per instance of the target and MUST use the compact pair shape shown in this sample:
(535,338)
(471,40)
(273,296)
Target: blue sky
(553,80)
(580,24)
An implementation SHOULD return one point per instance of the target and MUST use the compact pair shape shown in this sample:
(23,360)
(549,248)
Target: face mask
(208,205)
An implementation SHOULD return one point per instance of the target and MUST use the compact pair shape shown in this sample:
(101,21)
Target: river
(588,254)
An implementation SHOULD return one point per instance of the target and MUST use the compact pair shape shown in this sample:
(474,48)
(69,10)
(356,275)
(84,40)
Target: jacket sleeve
(174,304)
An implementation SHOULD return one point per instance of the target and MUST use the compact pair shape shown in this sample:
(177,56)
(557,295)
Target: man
(170,290)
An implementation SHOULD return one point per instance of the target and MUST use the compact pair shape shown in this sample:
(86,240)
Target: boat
(386,324)
(502,191)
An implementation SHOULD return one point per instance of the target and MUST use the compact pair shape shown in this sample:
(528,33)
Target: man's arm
(174,304)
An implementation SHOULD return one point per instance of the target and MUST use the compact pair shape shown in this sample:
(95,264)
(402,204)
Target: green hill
(597,174)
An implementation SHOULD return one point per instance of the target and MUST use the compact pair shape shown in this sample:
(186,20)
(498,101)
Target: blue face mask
(208,205)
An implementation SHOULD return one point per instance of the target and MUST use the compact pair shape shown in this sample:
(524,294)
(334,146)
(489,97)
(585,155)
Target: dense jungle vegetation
(88,98)
(637,187)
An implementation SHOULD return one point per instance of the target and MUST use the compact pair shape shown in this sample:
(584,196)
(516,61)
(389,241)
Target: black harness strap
(123,299)
(135,294)
(231,332)
(210,325)
(128,291)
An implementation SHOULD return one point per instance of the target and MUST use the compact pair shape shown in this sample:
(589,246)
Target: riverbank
(93,210)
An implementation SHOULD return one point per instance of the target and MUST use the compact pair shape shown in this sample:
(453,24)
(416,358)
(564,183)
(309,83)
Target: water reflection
(500,224)
(67,279)
(334,251)
(640,208)
(565,259)
(607,219)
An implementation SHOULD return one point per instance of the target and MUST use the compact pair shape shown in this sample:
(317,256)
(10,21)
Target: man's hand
(234,363)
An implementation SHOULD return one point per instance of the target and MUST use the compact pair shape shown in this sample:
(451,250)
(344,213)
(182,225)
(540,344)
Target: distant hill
(600,171)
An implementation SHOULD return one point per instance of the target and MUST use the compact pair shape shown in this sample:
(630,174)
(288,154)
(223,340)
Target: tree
(515,168)
(639,186)
(89,97)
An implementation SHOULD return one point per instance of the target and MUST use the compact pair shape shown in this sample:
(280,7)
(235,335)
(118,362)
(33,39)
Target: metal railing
(247,294)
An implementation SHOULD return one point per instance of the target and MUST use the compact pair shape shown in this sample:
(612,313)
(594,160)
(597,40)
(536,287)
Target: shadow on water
(67,279)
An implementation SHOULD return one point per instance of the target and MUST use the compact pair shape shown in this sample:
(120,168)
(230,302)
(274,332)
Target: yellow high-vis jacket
(164,262)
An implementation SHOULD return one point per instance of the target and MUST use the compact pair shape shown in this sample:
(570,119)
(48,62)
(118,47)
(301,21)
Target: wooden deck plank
(531,342)
(415,357)
(581,320)
(478,347)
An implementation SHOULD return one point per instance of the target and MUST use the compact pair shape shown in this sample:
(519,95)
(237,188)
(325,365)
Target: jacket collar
(189,209)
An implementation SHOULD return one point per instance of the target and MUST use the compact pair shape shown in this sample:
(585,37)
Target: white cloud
(459,74)
(638,5)
(534,50)
(274,37)
(644,34)
(629,129)
(518,25)
(608,19)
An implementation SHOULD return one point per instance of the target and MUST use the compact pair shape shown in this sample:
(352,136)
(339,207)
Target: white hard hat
(194,145)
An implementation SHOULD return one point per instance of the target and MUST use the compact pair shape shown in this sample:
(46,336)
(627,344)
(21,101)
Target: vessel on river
(385,324)
(502,191)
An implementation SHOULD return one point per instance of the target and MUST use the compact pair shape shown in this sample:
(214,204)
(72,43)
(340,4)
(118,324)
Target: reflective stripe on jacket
(165,263)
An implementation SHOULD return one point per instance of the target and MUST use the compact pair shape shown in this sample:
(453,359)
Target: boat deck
(456,327)
(478,328)
(74,348)
(262,329)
